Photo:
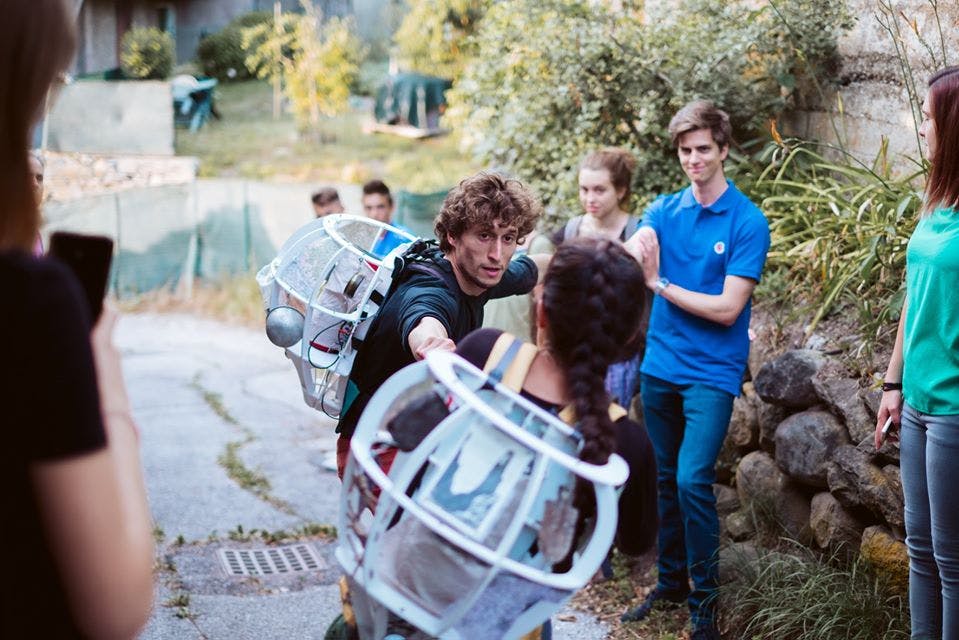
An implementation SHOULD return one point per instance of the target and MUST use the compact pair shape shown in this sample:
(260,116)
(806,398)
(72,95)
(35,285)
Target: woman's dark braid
(593,297)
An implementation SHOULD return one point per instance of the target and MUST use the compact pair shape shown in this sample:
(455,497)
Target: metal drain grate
(270,561)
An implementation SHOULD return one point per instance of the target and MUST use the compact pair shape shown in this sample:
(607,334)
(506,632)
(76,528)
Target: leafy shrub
(839,230)
(552,79)
(317,62)
(433,36)
(799,595)
(222,54)
(146,53)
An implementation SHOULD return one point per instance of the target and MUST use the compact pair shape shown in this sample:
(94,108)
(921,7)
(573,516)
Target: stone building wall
(871,90)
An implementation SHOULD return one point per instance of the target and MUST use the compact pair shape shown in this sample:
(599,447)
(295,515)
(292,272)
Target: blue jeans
(930,474)
(687,424)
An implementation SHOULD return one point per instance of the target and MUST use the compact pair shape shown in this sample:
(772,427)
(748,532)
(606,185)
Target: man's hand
(429,334)
(641,243)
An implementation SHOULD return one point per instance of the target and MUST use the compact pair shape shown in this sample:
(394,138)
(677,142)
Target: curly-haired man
(482,220)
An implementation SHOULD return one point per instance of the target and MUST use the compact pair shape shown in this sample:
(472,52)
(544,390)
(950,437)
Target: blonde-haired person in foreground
(77,528)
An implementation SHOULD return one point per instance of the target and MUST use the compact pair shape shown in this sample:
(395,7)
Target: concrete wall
(871,88)
(97,26)
(128,117)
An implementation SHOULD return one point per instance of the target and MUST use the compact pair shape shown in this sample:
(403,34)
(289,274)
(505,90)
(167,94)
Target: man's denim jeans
(930,477)
(687,424)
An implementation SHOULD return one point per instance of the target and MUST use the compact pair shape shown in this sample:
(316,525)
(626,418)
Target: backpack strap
(568,413)
(571,230)
(509,361)
(632,226)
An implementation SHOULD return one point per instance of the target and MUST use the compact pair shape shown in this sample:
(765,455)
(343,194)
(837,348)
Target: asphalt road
(232,456)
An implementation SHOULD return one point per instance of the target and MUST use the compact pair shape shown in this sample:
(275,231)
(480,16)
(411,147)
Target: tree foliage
(316,61)
(146,53)
(433,37)
(552,79)
(222,54)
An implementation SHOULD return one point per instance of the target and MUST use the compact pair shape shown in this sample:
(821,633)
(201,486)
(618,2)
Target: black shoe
(705,632)
(666,600)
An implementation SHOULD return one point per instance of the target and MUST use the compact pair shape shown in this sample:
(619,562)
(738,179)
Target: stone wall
(69,176)
(799,461)
(870,87)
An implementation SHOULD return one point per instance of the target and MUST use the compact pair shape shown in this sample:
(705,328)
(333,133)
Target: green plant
(799,595)
(839,230)
(223,55)
(552,79)
(434,36)
(316,60)
(146,53)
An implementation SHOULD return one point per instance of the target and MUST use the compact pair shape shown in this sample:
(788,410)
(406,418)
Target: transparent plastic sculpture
(320,293)
(460,538)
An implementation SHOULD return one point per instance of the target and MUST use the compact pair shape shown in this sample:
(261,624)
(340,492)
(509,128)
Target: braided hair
(593,297)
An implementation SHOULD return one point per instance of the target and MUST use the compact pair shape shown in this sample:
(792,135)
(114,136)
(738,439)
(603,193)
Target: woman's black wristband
(892,386)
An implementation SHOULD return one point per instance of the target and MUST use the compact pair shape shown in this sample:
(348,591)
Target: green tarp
(411,99)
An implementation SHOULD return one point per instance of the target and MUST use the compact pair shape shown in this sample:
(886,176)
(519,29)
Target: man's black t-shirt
(436,294)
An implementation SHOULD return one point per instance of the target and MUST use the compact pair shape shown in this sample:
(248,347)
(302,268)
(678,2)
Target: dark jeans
(687,424)
(930,475)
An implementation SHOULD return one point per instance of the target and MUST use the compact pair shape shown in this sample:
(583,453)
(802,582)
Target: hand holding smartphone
(89,258)
(886,428)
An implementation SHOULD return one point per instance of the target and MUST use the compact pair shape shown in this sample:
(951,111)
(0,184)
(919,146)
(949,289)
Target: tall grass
(800,596)
(839,230)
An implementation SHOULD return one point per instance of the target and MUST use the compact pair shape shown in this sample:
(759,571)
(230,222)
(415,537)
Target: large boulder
(833,527)
(739,525)
(843,397)
(769,416)
(887,556)
(769,492)
(727,500)
(887,453)
(729,456)
(737,561)
(805,443)
(744,423)
(860,485)
(787,381)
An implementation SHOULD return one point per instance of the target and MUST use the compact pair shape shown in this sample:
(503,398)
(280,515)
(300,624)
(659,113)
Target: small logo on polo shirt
(719,248)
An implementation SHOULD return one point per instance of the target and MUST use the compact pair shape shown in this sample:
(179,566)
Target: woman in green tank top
(921,388)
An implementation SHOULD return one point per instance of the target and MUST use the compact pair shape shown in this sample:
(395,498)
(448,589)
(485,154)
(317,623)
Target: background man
(326,201)
(377,201)
(433,306)
(703,252)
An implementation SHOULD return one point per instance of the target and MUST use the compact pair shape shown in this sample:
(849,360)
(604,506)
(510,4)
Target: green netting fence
(171,235)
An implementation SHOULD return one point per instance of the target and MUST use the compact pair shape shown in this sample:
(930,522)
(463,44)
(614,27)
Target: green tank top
(930,381)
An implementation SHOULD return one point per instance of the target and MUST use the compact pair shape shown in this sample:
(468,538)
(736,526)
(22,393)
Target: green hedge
(221,55)
(147,54)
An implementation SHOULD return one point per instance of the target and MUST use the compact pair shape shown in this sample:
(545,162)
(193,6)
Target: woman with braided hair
(587,319)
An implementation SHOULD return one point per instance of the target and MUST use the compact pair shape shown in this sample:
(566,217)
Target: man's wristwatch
(661,284)
(891,386)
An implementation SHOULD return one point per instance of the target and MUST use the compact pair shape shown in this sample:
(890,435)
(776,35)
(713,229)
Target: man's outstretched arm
(428,334)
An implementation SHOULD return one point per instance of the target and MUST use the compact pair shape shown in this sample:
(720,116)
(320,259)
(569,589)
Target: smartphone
(885,430)
(89,258)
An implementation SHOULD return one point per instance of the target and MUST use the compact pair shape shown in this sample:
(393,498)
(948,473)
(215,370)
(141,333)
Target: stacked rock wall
(800,452)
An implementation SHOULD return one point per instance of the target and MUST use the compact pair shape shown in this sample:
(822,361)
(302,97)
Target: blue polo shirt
(699,247)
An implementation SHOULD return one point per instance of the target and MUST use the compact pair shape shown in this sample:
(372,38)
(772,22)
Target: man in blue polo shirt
(703,251)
